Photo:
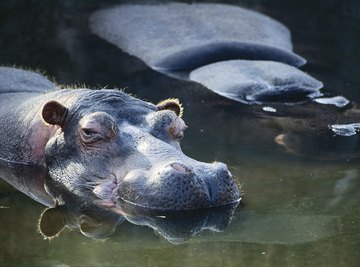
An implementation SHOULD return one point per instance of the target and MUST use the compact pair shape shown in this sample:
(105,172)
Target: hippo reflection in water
(96,222)
(107,145)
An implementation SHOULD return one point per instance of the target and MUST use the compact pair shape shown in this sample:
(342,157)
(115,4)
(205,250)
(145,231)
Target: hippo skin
(105,145)
(251,52)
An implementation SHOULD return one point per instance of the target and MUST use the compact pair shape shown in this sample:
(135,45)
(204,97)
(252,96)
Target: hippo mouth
(177,187)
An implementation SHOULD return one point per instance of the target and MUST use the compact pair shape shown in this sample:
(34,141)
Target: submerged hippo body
(235,52)
(105,145)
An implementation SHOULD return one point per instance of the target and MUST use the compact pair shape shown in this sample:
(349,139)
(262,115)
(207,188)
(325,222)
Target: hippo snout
(180,186)
(222,188)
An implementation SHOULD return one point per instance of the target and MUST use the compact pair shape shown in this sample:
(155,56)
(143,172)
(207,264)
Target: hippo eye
(88,132)
(90,136)
(97,127)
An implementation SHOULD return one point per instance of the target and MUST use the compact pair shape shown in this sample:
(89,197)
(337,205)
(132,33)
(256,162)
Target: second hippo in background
(242,55)
(237,53)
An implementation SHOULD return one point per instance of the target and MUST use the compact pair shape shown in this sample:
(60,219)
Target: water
(298,210)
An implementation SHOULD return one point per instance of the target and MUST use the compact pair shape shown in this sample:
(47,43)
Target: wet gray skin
(257,82)
(107,145)
(182,36)
(237,53)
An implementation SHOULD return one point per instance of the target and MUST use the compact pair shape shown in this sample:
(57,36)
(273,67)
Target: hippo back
(17,81)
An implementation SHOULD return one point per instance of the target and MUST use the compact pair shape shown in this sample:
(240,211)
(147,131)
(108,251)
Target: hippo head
(114,147)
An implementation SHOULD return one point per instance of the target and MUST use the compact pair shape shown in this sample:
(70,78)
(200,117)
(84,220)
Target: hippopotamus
(105,146)
(235,52)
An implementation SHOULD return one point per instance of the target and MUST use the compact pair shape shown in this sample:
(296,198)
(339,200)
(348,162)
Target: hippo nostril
(180,167)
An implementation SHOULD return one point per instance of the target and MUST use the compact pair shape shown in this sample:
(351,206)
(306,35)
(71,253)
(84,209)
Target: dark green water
(297,211)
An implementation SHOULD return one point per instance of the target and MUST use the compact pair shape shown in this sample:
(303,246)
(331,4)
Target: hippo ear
(54,113)
(171,104)
(52,222)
